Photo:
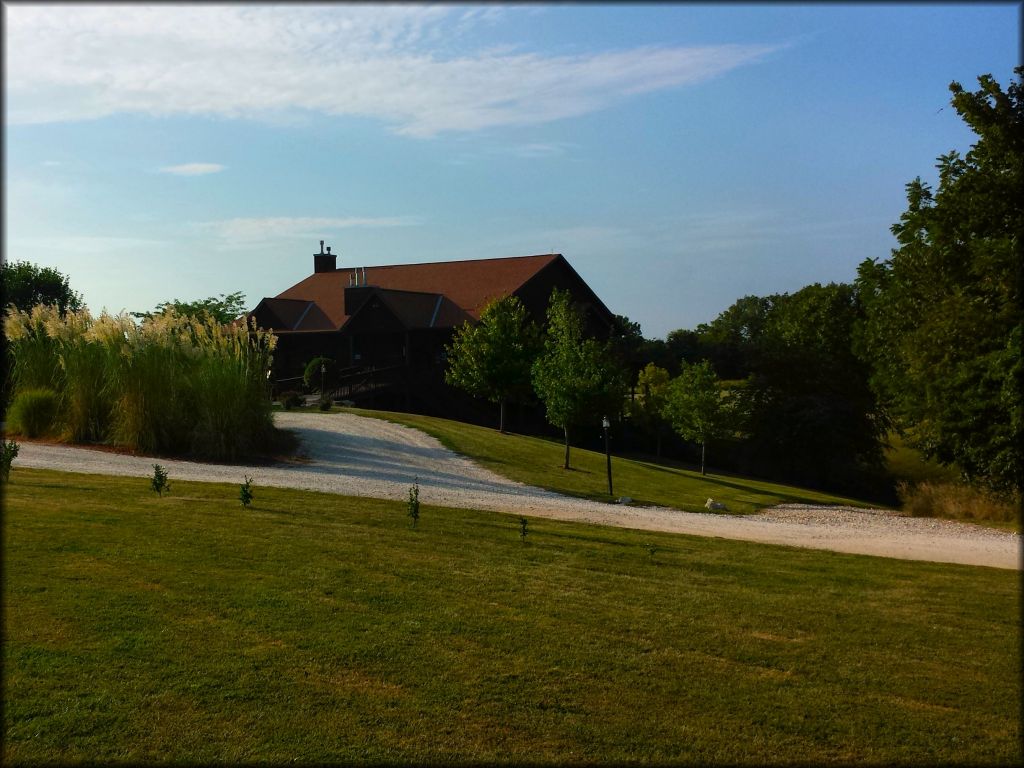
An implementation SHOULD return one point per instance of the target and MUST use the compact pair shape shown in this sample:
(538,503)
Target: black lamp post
(607,453)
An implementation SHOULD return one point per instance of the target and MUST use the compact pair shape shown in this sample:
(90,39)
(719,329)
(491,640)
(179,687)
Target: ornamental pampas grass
(172,384)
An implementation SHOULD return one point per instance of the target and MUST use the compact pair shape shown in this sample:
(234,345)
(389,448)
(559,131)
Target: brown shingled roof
(292,315)
(469,285)
(422,310)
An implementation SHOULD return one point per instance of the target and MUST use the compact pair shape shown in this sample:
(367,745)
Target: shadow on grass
(720,482)
(65,486)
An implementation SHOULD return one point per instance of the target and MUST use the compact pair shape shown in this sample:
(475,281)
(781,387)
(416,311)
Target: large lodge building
(386,327)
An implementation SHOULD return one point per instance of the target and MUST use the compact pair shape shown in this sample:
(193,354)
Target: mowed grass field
(538,461)
(317,628)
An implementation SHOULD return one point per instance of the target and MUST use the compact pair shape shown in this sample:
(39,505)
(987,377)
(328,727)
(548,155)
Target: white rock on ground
(357,456)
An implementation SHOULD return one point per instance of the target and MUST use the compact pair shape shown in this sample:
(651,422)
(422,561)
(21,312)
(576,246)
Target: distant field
(317,628)
(538,462)
(906,463)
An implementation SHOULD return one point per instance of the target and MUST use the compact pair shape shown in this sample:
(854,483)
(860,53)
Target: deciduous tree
(25,285)
(647,408)
(943,322)
(813,416)
(576,377)
(696,406)
(223,308)
(493,358)
(732,340)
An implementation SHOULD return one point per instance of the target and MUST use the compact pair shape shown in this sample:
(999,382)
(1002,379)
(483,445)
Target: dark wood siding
(536,294)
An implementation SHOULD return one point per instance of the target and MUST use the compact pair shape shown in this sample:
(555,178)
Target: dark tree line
(926,342)
(801,405)
(943,314)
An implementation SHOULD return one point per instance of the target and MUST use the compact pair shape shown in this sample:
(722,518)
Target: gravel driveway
(358,456)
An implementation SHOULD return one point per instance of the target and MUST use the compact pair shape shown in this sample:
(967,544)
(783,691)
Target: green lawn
(319,628)
(538,462)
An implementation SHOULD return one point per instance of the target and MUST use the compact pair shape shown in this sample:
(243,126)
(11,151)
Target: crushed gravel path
(358,456)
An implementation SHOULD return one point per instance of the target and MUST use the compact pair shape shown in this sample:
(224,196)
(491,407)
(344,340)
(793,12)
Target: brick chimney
(325,262)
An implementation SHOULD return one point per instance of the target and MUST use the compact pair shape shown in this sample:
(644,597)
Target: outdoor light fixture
(607,452)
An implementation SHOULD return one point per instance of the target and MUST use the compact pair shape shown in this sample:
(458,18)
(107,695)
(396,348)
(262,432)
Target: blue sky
(680,156)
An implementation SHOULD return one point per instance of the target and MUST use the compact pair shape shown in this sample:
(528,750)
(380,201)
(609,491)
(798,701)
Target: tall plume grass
(231,410)
(956,501)
(85,350)
(173,385)
(33,348)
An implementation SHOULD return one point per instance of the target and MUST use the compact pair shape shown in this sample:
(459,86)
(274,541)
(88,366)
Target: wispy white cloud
(86,245)
(192,169)
(582,237)
(738,231)
(541,149)
(572,241)
(395,63)
(51,163)
(488,15)
(531,151)
(248,230)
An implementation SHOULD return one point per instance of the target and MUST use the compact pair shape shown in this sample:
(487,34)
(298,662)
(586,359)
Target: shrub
(291,399)
(414,503)
(8,451)
(956,501)
(159,480)
(33,411)
(245,491)
(325,404)
(311,375)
